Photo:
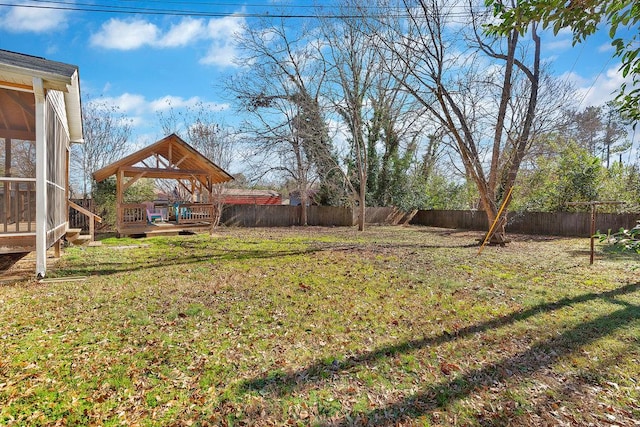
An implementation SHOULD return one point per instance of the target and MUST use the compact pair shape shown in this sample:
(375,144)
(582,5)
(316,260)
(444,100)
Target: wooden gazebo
(171,158)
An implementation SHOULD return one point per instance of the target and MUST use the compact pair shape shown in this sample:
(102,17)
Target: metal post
(593,230)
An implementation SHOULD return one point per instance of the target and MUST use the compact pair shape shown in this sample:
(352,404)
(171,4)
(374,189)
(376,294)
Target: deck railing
(93,218)
(17,205)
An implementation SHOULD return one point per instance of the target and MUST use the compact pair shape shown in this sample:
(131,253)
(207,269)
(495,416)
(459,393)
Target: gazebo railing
(182,213)
(189,213)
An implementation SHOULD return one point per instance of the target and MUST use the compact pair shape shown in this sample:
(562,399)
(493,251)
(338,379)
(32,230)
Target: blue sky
(139,61)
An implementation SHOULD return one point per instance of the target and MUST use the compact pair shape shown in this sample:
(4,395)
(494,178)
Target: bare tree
(355,65)
(204,131)
(456,83)
(587,127)
(106,135)
(218,144)
(22,159)
(281,90)
(202,128)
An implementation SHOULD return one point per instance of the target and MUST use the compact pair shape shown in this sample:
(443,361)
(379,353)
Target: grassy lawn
(324,326)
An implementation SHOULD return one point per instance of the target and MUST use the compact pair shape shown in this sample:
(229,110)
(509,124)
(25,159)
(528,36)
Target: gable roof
(47,69)
(17,71)
(169,158)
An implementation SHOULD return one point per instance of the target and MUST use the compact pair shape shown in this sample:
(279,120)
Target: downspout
(41,179)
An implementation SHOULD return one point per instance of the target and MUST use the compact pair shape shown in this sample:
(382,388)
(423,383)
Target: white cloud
(221,33)
(558,45)
(220,54)
(137,33)
(130,103)
(143,114)
(224,28)
(555,43)
(24,17)
(177,102)
(604,89)
(574,78)
(183,33)
(125,35)
(127,103)
(597,90)
(606,47)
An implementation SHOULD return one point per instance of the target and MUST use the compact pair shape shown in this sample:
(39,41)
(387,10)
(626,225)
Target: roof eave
(25,75)
(74,109)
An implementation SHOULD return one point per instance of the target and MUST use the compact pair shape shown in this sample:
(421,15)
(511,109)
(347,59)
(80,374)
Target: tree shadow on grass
(612,253)
(520,365)
(606,255)
(173,259)
(438,395)
(175,255)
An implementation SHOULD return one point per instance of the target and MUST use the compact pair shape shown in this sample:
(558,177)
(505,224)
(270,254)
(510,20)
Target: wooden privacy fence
(284,216)
(547,223)
(543,223)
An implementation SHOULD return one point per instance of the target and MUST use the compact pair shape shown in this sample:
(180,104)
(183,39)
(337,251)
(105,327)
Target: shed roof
(169,158)
(250,192)
(17,71)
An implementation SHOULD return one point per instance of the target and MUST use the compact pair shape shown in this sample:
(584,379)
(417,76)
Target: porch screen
(56,173)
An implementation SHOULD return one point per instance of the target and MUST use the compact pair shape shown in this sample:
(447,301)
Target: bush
(104,194)
(624,240)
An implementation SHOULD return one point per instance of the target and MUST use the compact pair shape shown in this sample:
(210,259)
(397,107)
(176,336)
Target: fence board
(575,224)
(284,216)
(330,216)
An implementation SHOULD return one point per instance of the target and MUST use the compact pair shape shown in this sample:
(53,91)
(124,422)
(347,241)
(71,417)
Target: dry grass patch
(313,326)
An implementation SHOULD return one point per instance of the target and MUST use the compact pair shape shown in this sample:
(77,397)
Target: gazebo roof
(169,158)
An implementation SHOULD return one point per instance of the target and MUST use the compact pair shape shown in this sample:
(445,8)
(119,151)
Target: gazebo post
(119,198)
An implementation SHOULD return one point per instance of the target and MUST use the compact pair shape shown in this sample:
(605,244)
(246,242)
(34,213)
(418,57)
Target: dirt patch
(21,266)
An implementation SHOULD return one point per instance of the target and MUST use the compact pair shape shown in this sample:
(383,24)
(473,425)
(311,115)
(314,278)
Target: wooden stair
(74,237)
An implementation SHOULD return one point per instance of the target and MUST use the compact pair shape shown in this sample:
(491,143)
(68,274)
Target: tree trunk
(304,216)
(361,206)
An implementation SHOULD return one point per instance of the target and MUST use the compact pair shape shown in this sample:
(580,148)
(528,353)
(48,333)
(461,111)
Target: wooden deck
(186,218)
(17,243)
(167,228)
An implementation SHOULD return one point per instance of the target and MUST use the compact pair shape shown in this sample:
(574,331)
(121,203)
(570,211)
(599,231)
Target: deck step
(75,238)
(72,232)
(82,239)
